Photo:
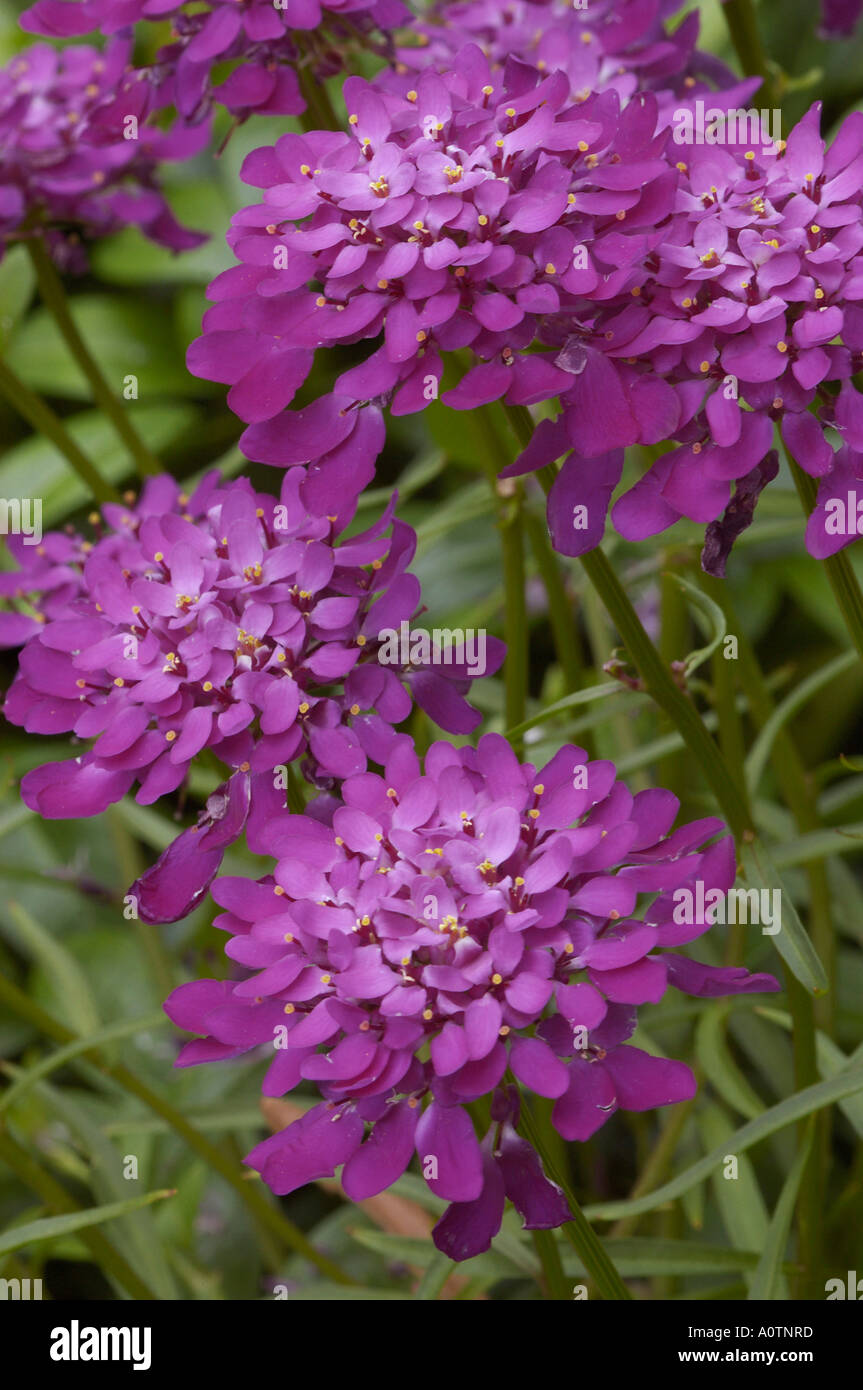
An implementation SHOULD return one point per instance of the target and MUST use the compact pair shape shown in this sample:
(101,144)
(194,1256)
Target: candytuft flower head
(77,159)
(747,315)
(435,934)
(620,45)
(256,37)
(227,620)
(464,213)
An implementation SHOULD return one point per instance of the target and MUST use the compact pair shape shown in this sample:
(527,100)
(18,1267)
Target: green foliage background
(67,1123)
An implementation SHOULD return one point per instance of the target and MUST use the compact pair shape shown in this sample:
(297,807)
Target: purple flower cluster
(749,311)
(230,621)
(259,38)
(76,157)
(434,933)
(459,213)
(620,45)
(579,256)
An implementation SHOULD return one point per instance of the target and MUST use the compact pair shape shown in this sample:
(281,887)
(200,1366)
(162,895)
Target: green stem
(578,1231)
(661,685)
(252,1197)
(57,1199)
(560,614)
(743,28)
(556,1284)
(54,298)
(654,672)
(515,607)
(652,1172)
(131,865)
(319,113)
(509,503)
(34,410)
(799,796)
(840,574)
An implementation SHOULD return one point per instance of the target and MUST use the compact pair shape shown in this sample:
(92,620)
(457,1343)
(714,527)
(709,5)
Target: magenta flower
(430,933)
(230,621)
(77,159)
(255,36)
(619,45)
(839,18)
(746,312)
(467,212)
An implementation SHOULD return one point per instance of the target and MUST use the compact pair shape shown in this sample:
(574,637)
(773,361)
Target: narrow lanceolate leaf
(713,619)
(791,941)
(65,973)
(760,752)
(768,1273)
(57,1059)
(714,1057)
(52,1227)
(796,1107)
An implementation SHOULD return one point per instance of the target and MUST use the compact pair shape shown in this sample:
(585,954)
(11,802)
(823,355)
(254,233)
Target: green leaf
(580,697)
(642,1257)
(62,1055)
(125,336)
(713,621)
(739,1200)
(35,468)
(66,975)
(51,1227)
(719,1067)
(759,754)
(769,1268)
(17,283)
(791,941)
(848,1083)
(339,1293)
